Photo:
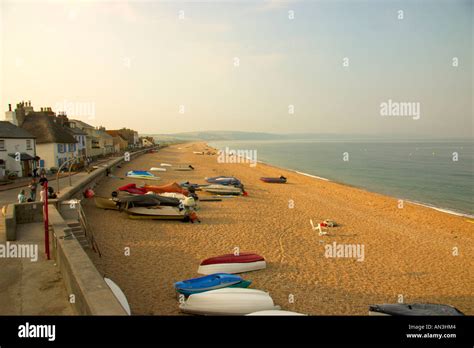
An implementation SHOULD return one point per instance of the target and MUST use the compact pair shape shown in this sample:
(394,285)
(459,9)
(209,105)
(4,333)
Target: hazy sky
(119,63)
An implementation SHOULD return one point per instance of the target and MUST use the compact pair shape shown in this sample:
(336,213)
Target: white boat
(222,189)
(155,169)
(228,301)
(275,312)
(119,295)
(173,195)
(165,165)
(232,267)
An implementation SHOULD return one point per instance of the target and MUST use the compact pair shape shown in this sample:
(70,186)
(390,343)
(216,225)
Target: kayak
(420,309)
(228,301)
(173,187)
(155,169)
(280,180)
(230,263)
(209,282)
(133,189)
(222,189)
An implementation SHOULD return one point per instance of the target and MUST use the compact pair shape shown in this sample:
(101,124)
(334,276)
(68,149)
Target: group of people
(22,198)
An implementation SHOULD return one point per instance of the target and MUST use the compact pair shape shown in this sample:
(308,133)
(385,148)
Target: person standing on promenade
(33,186)
(22,197)
(43,179)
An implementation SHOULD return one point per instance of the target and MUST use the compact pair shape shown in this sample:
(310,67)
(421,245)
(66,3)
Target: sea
(437,174)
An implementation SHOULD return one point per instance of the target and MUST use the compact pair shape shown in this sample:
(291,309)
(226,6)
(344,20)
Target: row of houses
(31,141)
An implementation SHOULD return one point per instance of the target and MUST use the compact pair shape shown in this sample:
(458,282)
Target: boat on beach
(275,312)
(158,213)
(418,309)
(228,301)
(142,174)
(105,203)
(133,189)
(222,189)
(119,295)
(280,180)
(173,187)
(230,263)
(210,282)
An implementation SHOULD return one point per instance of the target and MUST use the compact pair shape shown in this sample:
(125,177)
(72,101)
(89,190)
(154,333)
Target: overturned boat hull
(228,301)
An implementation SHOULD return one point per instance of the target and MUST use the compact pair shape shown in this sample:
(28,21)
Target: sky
(263,66)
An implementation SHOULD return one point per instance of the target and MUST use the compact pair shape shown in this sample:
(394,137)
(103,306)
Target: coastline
(407,251)
(419,203)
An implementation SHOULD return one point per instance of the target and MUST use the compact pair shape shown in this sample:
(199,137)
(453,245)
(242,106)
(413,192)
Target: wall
(92,296)
(47,152)
(13,146)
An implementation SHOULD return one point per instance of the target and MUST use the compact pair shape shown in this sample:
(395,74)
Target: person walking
(33,186)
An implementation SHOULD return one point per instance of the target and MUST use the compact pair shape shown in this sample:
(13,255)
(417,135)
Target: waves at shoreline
(412,201)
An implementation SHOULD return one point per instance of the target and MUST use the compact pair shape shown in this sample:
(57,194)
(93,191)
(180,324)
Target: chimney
(9,107)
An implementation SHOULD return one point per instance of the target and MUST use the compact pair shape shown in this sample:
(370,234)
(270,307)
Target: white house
(17,151)
(54,143)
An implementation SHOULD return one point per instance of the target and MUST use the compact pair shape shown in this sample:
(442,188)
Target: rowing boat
(210,282)
(275,312)
(418,309)
(280,180)
(228,301)
(230,263)
(222,189)
(105,203)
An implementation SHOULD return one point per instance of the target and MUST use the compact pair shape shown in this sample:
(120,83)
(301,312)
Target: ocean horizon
(434,173)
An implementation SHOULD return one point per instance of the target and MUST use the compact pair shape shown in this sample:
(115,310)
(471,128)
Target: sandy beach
(415,252)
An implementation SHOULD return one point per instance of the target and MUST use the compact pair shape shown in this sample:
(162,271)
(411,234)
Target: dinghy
(222,190)
(158,213)
(133,189)
(119,295)
(141,174)
(185,169)
(155,169)
(165,165)
(210,282)
(224,180)
(147,200)
(275,313)
(228,301)
(420,309)
(280,180)
(105,203)
(230,263)
(173,187)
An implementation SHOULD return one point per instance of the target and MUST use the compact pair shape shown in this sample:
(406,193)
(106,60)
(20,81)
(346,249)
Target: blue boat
(210,282)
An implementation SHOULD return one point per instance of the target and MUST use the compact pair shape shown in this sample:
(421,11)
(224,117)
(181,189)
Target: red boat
(133,189)
(231,263)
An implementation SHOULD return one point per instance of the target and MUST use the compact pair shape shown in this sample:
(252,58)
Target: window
(60,148)
(2,144)
(28,144)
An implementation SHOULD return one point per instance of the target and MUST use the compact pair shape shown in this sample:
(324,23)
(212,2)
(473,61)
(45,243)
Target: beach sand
(408,252)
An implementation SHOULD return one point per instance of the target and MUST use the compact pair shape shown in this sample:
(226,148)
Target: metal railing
(88,232)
